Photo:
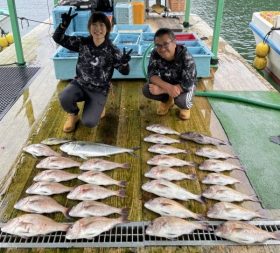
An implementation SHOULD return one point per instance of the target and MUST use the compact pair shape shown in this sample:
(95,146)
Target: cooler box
(138,12)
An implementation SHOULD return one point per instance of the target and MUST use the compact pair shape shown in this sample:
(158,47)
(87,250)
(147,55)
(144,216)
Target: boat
(263,26)
(5,23)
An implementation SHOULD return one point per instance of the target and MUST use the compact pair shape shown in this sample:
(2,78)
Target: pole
(186,22)
(16,33)
(217,30)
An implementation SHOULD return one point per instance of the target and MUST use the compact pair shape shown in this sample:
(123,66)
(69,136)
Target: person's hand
(66,18)
(174,90)
(126,56)
(155,90)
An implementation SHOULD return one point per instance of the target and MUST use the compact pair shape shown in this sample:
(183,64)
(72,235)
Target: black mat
(13,81)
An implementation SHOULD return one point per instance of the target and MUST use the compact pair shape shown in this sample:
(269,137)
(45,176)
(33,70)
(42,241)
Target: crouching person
(171,75)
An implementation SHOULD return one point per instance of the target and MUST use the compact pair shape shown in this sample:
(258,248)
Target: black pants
(93,106)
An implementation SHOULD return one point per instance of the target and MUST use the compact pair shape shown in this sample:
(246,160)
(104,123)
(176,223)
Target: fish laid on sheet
(213,153)
(28,225)
(85,149)
(99,178)
(168,161)
(244,233)
(229,211)
(171,227)
(169,207)
(166,149)
(47,188)
(218,166)
(90,227)
(167,189)
(40,150)
(219,179)
(160,129)
(167,173)
(40,204)
(57,163)
(94,208)
(202,139)
(54,176)
(54,141)
(160,139)
(98,164)
(224,193)
(93,192)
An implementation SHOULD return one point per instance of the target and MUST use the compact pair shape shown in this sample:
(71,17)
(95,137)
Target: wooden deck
(37,116)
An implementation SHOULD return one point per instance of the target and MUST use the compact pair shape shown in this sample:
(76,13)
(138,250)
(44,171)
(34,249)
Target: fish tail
(276,235)
(191,176)
(201,199)
(240,168)
(66,213)
(124,211)
(199,217)
(254,198)
(122,183)
(125,165)
(205,226)
(121,193)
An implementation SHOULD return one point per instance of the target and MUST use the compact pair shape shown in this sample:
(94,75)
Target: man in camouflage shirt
(172,75)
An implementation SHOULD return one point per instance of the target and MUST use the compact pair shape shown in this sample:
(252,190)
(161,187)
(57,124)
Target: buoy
(262,49)
(3,41)
(10,38)
(260,62)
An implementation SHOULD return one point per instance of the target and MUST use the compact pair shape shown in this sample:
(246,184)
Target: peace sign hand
(66,18)
(126,56)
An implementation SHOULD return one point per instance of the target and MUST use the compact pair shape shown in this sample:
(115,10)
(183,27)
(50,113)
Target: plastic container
(147,38)
(177,5)
(138,12)
(127,39)
(128,29)
(123,13)
(81,21)
(185,36)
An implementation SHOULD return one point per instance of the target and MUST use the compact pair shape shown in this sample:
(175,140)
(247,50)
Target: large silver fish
(28,225)
(47,188)
(229,211)
(92,226)
(167,173)
(98,164)
(85,149)
(164,188)
(169,207)
(171,227)
(244,233)
(202,139)
(99,178)
(93,192)
(40,150)
(213,153)
(54,141)
(168,161)
(40,204)
(57,163)
(166,149)
(224,193)
(160,139)
(160,129)
(93,208)
(54,176)
(218,166)
(219,179)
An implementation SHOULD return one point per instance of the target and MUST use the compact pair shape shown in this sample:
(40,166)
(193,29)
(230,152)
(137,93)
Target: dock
(37,115)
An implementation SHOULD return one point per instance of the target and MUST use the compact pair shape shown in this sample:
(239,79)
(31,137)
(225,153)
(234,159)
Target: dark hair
(102,18)
(162,31)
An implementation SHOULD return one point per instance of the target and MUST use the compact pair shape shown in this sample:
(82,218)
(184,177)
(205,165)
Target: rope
(268,34)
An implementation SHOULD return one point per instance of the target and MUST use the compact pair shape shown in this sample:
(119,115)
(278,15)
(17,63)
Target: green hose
(216,94)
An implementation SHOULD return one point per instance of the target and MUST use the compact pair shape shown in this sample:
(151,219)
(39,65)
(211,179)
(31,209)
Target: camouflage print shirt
(95,66)
(181,70)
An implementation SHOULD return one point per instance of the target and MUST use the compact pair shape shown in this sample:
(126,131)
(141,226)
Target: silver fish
(54,176)
(28,225)
(213,153)
(92,226)
(171,227)
(244,233)
(57,163)
(202,139)
(164,188)
(168,161)
(167,173)
(93,192)
(160,139)
(99,178)
(224,193)
(229,211)
(47,188)
(40,150)
(218,166)
(102,165)
(93,208)
(40,204)
(219,179)
(169,207)
(54,141)
(85,149)
(166,149)
(160,129)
